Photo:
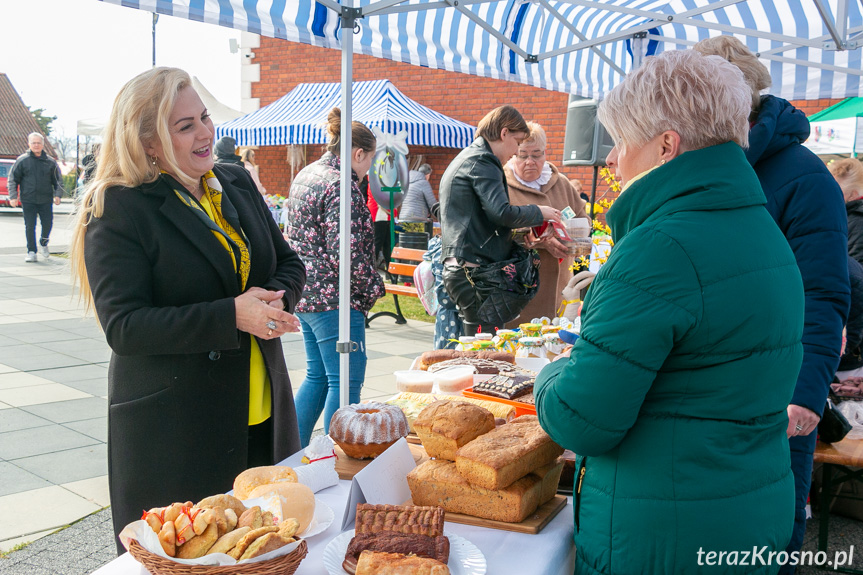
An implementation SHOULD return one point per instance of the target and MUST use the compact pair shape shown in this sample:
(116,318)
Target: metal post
(593,194)
(344,346)
(155,19)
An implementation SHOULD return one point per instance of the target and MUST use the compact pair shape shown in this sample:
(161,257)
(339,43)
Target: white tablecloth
(549,552)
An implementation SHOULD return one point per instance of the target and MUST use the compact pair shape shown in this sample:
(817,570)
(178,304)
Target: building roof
(16,122)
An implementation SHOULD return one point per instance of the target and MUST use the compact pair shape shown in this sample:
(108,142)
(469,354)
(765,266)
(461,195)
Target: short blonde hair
(139,117)
(702,98)
(733,50)
(536,135)
(849,175)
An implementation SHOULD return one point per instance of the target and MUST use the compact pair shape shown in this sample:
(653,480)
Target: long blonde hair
(138,119)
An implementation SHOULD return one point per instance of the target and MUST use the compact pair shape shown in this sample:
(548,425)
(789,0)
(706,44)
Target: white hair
(536,135)
(703,98)
(36,134)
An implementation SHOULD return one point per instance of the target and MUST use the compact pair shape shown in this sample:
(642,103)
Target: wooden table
(837,459)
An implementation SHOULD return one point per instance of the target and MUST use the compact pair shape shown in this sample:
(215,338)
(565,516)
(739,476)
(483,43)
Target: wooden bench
(394,270)
(837,461)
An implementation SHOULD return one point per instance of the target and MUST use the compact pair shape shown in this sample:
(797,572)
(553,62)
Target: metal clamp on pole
(346,346)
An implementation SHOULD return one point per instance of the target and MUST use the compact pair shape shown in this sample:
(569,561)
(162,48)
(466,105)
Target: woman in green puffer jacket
(675,395)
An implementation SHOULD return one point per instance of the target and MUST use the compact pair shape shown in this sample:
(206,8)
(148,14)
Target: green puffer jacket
(675,396)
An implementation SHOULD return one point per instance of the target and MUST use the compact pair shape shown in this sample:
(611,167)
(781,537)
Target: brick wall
(460,96)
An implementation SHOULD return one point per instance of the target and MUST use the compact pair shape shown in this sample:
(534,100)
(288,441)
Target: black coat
(476,217)
(36,179)
(164,289)
(854,211)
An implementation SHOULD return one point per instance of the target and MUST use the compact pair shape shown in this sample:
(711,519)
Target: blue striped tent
(300,117)
(584,47)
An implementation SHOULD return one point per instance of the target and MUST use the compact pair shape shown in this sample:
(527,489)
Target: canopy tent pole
(344,346)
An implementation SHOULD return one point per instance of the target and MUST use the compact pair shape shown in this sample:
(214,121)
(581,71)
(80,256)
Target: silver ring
(271,324)
(798,427)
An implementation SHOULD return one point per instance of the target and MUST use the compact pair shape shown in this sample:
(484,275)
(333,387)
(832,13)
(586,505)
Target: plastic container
(530,329)
(579,244)
(553,345)
(454,379)
(506,340)
(481,344)
(483,337)
(414,380)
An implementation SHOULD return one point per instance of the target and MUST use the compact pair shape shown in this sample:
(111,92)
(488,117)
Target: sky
(71,57)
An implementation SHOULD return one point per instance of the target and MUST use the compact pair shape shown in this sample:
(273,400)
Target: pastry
(168,539)
(251,518)
(506,386)
(224,501)
(263,544)
(399,519)
(365,430)
(248,539)
(227,541)
(289,500)
(377,563)
(429,358)
(481,366)
(198,546)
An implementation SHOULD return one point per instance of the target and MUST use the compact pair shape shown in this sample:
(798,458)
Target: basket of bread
(258,532)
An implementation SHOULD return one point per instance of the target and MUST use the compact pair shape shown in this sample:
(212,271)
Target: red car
(5,166)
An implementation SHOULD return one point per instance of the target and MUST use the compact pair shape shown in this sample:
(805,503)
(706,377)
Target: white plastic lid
(483,336)
(466,339)
(530,341)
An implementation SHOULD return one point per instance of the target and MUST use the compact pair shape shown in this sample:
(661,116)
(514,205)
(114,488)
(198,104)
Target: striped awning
(300,117)
(584,47)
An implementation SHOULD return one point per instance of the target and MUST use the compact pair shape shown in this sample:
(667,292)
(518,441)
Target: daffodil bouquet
(600,232)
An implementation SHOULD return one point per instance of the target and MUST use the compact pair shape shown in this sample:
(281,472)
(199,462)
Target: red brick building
(468,98)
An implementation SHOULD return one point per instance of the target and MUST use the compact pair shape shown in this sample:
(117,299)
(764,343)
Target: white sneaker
(43,251)
(31,257)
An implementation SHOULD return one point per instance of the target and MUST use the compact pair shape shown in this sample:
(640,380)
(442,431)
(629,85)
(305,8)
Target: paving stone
(41,362)
(97,387)
(76,373)
(69,464)
(41,440)
(71,410)
(96,428)
(16,418)
(14,479)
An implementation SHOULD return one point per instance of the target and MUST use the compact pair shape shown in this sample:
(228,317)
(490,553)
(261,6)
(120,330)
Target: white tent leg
(345,344)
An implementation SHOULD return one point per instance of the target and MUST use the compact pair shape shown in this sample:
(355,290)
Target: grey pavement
(53,369)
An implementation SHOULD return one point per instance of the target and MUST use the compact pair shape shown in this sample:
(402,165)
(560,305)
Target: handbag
(833,426)
(506,287)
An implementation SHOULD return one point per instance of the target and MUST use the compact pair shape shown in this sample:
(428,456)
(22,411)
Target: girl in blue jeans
(313,231)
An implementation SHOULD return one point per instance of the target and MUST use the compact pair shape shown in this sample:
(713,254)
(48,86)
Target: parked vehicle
(5,167)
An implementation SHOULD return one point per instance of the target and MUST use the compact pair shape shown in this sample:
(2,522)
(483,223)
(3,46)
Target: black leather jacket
(475,214)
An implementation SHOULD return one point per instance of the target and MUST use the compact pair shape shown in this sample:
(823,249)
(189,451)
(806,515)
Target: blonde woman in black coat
(193,285)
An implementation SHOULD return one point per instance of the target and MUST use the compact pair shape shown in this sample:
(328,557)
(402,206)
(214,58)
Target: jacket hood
(225,147)
(779,125)
(713,178)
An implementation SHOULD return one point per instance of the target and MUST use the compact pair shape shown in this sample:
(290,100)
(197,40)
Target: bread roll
(248,539)
(224,501)
(444,426)
(263,544)
(246,481)
(198,546)
(292,499)
(168,538)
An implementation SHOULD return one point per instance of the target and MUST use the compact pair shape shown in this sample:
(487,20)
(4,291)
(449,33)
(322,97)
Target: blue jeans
(45,213)
(320,390)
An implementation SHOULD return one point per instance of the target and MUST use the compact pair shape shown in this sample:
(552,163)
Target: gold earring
(153,159)
(662,163)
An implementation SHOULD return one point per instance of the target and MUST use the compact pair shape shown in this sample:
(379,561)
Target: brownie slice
(506,386)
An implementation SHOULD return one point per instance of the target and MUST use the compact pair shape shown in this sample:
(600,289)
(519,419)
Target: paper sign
(383,481)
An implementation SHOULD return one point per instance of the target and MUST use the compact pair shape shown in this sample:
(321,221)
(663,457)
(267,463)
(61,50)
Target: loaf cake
(438,355)
(377,563)
(438,482)
(505,454)
(444,426)
(413,403)
(365,430)
(550,475)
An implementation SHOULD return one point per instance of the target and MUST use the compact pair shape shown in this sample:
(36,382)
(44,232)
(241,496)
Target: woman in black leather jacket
(475,214)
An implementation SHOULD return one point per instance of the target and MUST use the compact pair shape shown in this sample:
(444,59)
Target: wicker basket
(284,565)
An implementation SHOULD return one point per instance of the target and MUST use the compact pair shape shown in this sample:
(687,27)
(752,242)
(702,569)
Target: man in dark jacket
(35,182)
(226,151)
(808,206)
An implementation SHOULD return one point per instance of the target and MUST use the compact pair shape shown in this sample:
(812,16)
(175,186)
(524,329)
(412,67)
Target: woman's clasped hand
(257,307)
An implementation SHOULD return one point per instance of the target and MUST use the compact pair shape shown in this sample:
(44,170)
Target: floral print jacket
(313,232)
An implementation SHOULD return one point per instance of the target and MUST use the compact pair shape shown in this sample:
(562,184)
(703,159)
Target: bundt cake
(365,430)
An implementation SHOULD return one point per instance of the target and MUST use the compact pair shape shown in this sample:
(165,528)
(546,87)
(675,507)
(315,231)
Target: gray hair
(702,98)
(37,134)
(536,135)
(425,169)
(730,48)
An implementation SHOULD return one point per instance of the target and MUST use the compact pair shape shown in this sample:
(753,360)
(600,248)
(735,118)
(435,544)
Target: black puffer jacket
(36,179)
(855,229)
(475,214)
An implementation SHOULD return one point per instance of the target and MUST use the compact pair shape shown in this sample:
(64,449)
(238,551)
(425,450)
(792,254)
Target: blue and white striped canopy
(583,47)
(300,117)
